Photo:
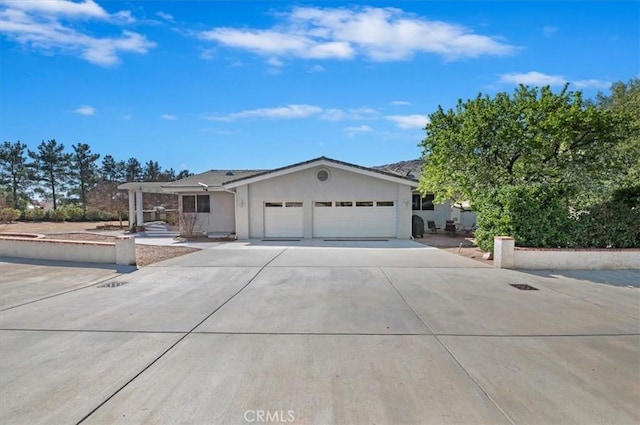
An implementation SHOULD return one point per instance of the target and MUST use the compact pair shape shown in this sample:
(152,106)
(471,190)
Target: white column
(132,207)
(139,216)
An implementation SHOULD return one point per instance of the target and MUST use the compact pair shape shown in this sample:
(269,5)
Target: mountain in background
(410,168)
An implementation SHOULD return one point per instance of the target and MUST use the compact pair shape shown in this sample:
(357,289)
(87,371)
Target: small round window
(322,175)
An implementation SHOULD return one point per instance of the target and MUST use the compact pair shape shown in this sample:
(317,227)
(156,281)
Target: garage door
(354,219)
(283,219)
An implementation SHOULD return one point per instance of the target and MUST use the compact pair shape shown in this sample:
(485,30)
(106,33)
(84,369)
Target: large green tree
(520,158)
(624,101)
(14,172)
(84,172)
(51,168)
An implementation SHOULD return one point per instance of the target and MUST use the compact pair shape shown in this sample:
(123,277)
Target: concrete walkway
(342,332)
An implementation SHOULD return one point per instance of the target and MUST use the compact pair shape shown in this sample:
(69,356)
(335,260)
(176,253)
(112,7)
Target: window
(344,204)
(293,204)
(273,204)
(384,203)
(322,204)
(364,204)
(415,202)
(427,202)
(195,203)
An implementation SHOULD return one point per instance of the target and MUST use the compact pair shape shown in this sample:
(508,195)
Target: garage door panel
(354,221)
(283,219)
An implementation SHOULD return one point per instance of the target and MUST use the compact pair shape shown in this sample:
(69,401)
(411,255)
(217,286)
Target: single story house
(319,198)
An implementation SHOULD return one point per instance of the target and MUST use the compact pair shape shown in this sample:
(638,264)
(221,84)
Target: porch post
(139,216)
(132,207)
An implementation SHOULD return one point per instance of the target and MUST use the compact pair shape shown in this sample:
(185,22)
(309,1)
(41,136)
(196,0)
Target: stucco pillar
(132,207)
(504,252)
(125,251)
(139,216)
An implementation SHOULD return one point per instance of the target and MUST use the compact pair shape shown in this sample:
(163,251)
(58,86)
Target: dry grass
(46,227)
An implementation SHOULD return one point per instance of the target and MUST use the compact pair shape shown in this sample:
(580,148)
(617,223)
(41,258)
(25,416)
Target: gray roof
(213,178)
(377,170)
(217,178)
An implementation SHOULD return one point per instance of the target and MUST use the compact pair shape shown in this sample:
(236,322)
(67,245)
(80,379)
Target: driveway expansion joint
(177,342)
(476,383)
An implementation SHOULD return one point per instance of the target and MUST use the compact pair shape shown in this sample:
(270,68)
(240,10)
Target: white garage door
(283,219)
(354,219)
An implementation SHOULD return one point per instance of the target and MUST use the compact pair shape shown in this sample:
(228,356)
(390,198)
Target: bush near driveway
(540,216)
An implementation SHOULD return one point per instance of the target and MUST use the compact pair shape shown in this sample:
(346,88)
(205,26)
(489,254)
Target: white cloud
(301,111)
(168,117)
(549,31)
(207,54)
(400,103)
(352,131)
(356,114)
(539,79)
(316,68)
(44,26)
(533,78)
(71,9)
(280,112)
(379,34)
(85,110)
(409,121)
(334,114)
(275,62)
(592,84)
(165,16)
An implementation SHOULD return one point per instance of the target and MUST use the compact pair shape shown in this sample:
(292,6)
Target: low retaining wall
(122,252)
(507,256)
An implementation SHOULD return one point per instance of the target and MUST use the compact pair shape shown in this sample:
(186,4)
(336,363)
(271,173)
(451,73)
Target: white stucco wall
(506,255)
(303,186)
(122,252)
(221,216)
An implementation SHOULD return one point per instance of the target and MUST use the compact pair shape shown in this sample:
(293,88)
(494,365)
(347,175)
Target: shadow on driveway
(624,278)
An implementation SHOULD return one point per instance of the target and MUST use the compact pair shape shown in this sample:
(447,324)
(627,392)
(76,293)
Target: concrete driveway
(341,332)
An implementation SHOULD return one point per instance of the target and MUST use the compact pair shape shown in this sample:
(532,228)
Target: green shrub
(535,215)
(539,216)
(614,223)
(72,213)
(7,215)
(55,215)
(35,214)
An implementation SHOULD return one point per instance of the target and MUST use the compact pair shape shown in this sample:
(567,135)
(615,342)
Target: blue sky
(260,84)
